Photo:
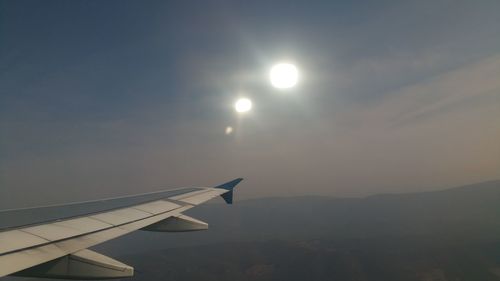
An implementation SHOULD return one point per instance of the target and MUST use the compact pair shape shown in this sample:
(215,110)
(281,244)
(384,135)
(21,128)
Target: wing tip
(229,186)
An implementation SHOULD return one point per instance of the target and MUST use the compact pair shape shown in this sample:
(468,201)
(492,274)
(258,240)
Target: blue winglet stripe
(229,186)
(228,197)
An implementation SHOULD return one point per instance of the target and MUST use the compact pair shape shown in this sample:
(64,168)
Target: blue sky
(118,97)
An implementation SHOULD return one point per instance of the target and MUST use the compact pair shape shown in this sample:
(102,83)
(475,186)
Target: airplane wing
(57,246)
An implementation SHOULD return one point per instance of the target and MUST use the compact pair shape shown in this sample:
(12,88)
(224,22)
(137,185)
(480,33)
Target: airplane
(56,246)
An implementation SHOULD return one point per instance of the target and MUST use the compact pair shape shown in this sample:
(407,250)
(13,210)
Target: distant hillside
(472,210)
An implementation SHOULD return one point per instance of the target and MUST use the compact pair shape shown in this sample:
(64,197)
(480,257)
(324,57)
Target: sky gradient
(107,98)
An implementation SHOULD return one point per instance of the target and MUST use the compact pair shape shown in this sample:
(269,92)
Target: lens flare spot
(243,105)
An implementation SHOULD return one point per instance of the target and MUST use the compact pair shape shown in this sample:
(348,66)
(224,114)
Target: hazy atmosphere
(107,98)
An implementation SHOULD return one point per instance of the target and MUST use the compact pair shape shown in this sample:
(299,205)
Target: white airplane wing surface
(56,245)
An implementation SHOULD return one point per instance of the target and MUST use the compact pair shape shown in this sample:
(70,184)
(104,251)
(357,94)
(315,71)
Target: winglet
(228,196)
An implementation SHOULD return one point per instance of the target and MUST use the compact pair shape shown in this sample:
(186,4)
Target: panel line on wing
(33,234)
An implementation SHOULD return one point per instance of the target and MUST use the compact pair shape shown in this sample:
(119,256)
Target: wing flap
(84,225)
(20,260)
(157,207)
(15,239)
(180,223)
(84,264)
(121,216)
(65,229)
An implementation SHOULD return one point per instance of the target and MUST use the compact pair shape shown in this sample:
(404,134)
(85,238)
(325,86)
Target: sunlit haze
(108,98)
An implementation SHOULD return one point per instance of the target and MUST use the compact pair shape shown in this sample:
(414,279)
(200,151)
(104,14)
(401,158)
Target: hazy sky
(106,98)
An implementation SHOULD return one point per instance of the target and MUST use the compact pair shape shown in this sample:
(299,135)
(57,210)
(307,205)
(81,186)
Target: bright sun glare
(243,105)
(284,75)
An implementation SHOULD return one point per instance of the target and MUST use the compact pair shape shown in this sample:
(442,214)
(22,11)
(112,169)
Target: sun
(284,75)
